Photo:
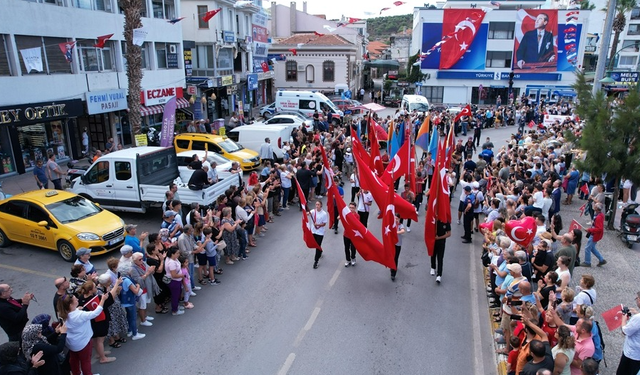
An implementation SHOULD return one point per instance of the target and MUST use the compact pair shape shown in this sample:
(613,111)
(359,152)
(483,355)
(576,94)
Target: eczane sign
(157,96)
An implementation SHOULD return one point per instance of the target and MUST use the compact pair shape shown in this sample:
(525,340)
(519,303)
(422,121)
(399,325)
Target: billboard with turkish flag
(536,40)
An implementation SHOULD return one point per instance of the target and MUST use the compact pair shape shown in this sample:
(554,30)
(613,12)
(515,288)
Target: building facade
(471,55)
(59,88)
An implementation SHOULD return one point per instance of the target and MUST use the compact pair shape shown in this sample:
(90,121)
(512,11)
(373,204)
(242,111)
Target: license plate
(632,238)
(115,240)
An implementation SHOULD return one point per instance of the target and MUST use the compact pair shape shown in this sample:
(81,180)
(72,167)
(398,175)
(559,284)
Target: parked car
(290,120)
(268,110)
(59,221)
(248,159)
(186,157)
(252,137)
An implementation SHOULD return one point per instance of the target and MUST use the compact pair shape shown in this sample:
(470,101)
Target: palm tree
(586,5)
(619,23)
(132,10)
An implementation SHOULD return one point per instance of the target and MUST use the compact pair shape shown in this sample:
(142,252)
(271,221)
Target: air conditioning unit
(301,68)
(173,49)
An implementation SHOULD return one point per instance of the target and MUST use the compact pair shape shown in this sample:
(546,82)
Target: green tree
(414,73)
(586,5)
(619,23)
(132,20)
(609,136)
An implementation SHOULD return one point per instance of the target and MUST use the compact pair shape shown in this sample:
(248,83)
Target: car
(294,112)
(290,120)
(59,221)
(248,159)
(186,157)
(268,110)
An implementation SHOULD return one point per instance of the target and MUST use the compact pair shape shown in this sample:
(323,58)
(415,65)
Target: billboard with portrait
(536,40)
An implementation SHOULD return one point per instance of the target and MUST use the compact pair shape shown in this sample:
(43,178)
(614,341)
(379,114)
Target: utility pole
(604,46)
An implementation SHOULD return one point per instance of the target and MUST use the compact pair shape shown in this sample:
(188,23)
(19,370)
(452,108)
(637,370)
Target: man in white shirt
(319,220)
(538,200)
(365,200)
(630,360)
(266,151)
(212,173)
(355,183)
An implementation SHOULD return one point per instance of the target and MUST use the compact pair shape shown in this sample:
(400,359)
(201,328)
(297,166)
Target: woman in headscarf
(10,363)
(33,342)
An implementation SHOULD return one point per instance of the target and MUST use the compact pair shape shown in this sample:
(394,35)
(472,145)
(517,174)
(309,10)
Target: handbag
(221,245)
(166,279)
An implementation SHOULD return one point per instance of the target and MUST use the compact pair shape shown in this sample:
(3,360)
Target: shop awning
(157,109)
(565,93)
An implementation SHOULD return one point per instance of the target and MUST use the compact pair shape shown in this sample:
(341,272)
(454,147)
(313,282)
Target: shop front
(264,93)
(152,109)
(30,132)
(106,112)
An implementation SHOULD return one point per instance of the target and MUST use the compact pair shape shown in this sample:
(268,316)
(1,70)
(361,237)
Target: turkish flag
(358,149)
(459,28)
(449,147)
(369,181)
(379,130)
(430,218)
(613,317)
(294,51)
(466,111)
(584,189)
(328,182)
(352,20)
(367,245)
(574,225)
(318,34)
(521,231)
(389,227)
(376,160)
(531,124)
(102,40)
(264,66)
(400,162)
(307,236)
(209,15)
(411,171)
(582,208)
(92,305)
(444,206)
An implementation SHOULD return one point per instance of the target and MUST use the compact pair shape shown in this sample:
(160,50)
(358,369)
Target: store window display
(38,140)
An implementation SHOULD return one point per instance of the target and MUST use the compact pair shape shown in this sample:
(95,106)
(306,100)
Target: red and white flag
(582,208)
(265,66)
(459,29)
(102,40)
(92,305)
(397,165)
(443,213)
(328,182)
(466,111)
(358,149)
(293,51)
(613,317)
(376,161)
(574,225)
(307,236)
(430,218)
(584,189)
(67,50)
(209,15)
(389,227)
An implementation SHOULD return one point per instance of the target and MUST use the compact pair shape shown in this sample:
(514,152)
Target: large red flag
(613,317)
(389,227)
(307,236)
(358,149)
(102,40)
(443,212)
(328,182)
(399,163)
(376,160)
(459,29)
(367,245)
(430,218)
(209,15)
(411,171)
(92,305)
(369,181)
(449,147)
(466,111)
(584,189)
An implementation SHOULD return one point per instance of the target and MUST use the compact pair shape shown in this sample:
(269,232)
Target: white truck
(135,179)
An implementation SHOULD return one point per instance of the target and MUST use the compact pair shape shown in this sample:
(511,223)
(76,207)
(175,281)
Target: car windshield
(72,209)
(229,146)
(420,107)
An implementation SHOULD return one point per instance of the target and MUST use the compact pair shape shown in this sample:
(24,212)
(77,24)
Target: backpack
(602,344)
(476,201)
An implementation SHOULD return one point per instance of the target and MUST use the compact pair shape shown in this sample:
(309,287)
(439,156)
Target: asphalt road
(274,314)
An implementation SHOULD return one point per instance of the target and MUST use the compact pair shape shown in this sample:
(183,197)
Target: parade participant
(349,248)
(401,231)
(468,214)
(13,312)
(365,200)
(443,231)
(319,220)
(410,197)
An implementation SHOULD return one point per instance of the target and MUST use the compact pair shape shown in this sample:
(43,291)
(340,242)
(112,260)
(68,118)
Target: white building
(47,108)
(492,51)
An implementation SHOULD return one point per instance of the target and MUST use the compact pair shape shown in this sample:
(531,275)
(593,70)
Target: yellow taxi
(248,159)
(61,221)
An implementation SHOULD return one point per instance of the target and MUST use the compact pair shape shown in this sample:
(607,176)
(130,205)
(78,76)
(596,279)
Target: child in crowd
(186,283)
(565,308)
(513,355)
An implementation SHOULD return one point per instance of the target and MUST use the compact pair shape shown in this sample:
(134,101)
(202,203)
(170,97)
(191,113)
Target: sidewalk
(22,183)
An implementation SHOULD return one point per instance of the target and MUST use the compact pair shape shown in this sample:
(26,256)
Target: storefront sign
(106,101)
(227,80)
(498,76)
(266,75)
(252,81)
(228,36)
(188,65)
(625,76)
(40,112)
(161,95)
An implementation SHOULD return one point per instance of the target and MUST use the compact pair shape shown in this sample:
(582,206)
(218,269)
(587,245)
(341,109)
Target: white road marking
(287,364)
(335,277)
(312,319)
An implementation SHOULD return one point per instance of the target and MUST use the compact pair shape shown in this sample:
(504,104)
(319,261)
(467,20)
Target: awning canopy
(157,109)
(371,107)
(565,93)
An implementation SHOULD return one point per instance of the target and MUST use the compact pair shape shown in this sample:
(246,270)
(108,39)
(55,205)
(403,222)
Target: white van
(417,102)
(306,102)
(252,137)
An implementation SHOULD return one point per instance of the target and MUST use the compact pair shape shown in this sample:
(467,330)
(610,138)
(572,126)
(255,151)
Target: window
(627,60)
(225,59)
(501,30)
(27,42)
(630,46)
(123,170)
(161,55)
(53,61)
(56,62)
(308,104)
(182,144)
(434,94)
(163,9)
(328,71)
(230,20)
(635,14)
(104,5)
(5,67)
(292,70)
(15,208)
(94,59)
(143,8)
(36,214)
(202,10)
(144,50)
(202,60)
(634,29)
(498,59)
(98,173)
(310,73)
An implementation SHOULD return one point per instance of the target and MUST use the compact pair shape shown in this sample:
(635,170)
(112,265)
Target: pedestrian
(40,174)
(319,220)
(410,197)
(354,180)
(365,200)
(630,359)
(349,248)
(467,214)
(266,151)
(594,234)
(443,231)
(401,231)
(54,173)
(13,312)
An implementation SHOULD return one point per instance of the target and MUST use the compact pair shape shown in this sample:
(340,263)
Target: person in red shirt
(594,234)
(513,355)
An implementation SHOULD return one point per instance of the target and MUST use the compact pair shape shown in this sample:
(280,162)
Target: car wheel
(4,240)
(67,251)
